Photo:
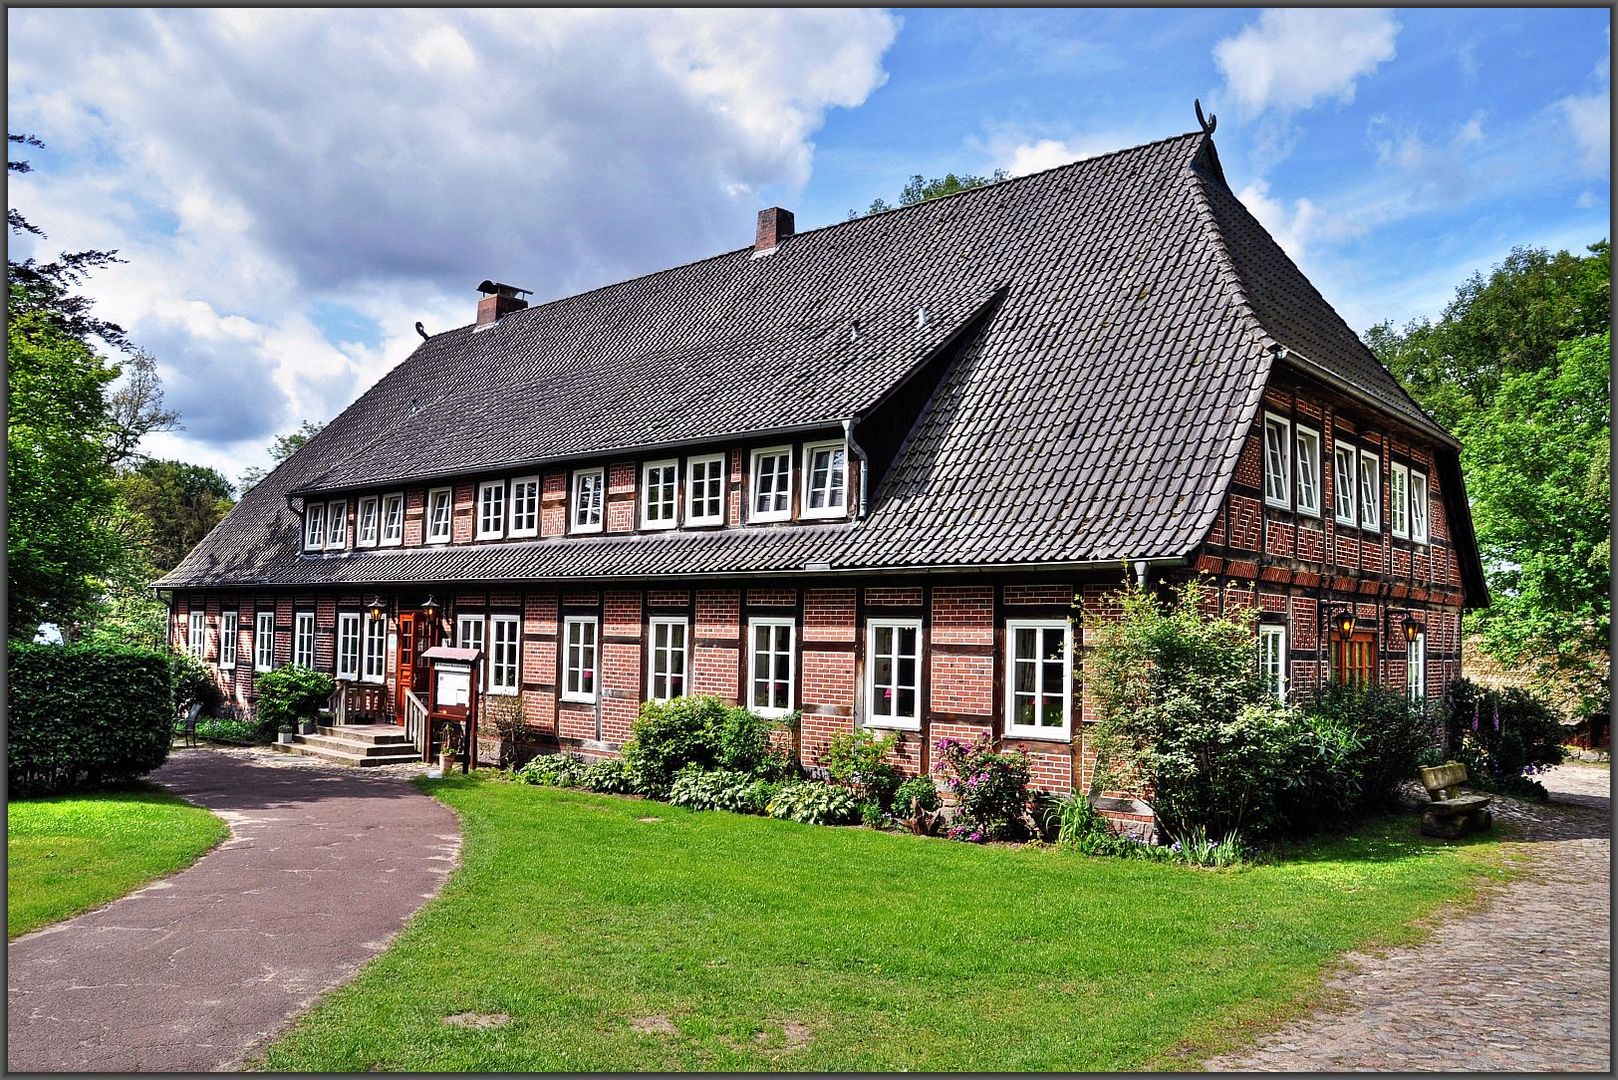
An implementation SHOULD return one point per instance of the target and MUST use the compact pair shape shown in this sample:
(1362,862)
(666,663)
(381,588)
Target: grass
(711,941)
(71,853)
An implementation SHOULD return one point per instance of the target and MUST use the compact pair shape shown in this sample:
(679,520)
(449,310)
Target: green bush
(1502,736)
(701,731)
(290,694)
(990,789)
(1074,823)
(722,789)
(85,716)
(814,803)
(229,729)
(553,770)
(859,760)
(1391,733)
(193,683)
(917,792)
(609,776)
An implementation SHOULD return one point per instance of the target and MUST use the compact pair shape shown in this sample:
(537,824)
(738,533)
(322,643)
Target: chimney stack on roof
(774,226)
(499,300)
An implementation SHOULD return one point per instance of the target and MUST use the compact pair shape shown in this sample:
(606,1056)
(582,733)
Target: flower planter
(306,727)
(284,737)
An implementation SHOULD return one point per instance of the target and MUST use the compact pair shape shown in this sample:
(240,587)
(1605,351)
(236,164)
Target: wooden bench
(1455,809)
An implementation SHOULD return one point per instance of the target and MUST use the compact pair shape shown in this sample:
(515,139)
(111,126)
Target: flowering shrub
(990,789)
(859,760)
(1502,736)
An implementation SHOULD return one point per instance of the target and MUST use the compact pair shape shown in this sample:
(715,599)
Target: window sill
(1039,735)
(658,526)
(770,714)
(894,725)
(579,699)
(584,530)
(511,692)
(824,515)
(1274,505)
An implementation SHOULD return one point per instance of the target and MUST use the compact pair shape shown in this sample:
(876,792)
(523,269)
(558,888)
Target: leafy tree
(175,505)
(137,407)
(920,190)
(281,448)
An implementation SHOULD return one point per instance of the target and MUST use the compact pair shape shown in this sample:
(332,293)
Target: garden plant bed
(71,853)
(619,934)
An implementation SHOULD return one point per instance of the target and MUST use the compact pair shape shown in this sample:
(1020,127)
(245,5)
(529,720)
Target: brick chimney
(499,300)
(774,226)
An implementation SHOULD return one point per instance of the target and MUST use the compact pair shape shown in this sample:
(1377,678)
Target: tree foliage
(175,505)
(1517,367)
(918,189)
(281,448)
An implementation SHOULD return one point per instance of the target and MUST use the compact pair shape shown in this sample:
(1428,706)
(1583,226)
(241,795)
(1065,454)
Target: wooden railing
(338,704)
(416,725)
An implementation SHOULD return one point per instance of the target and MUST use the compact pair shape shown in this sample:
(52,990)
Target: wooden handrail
(416,726)
(338,704)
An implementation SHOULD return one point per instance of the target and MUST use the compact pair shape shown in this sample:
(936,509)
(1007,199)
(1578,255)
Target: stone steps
(349,745)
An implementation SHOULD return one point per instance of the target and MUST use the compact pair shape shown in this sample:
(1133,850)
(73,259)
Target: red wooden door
(416,635)
(1354,662)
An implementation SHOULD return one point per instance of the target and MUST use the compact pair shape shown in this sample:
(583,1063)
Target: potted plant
(287,731)
(306,725)
(446,755)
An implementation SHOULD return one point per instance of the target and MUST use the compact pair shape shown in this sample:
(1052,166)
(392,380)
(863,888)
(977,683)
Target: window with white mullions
(1308,465)
(1277,463)
(336,524)
(393,519)
(197,641)
(772,484)
(491,509)
(440,515)
(365,531)
(1416,667)
(1272,658)
(770,667)
(264,641)
(227,640)
(503,633)
(1037,697)
(1344,483)
(1399,500)
(376,649)
(671,658)
(893,673)
(348,645)
(1370,490)
(579,659)
(314,526)
(303,639)
(588,488)
(659,498)
(525,506)
(469,635)
(705,490)
(826,480)
(1418,506)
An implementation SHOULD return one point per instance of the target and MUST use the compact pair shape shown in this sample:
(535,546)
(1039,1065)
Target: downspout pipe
(865,462)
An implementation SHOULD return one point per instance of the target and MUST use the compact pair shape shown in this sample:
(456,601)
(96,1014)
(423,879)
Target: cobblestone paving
(1521,985)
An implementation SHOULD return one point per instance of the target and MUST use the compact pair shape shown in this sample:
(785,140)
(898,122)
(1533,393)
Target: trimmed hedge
(85,716)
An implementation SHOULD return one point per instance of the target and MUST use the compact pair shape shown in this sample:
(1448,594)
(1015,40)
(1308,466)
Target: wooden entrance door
(417,634)
(1354,661)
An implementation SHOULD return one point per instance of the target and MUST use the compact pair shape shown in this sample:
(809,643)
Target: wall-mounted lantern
(1413,628)
(430,607)
(1344,621)
(377,607)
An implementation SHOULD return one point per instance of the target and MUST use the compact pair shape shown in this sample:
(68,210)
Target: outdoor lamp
(430,607)
(1344,621)
(1413,626)
(377,607)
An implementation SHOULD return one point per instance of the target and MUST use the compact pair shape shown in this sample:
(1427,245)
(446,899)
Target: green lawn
(706,940)
(71,853)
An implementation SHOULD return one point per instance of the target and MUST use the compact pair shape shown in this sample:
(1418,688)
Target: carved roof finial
(1208,122)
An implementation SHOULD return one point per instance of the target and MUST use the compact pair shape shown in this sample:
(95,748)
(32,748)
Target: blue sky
(294,190)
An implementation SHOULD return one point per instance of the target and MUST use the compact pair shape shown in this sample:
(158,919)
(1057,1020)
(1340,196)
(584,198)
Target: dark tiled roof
(1094,413)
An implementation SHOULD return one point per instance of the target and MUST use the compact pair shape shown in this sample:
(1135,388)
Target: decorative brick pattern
(963,615)
(880,597)
(828,615)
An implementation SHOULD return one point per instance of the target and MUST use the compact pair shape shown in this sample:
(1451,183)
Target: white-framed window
(375,661)
(504,631)
(1038,702)
(1370,490)
(893,673)
(1418,506)
(303,639)
(264,641)
(393,519)
(705,490)
(366,528)
(337,524)
(772,484)
(1277,462)
(589,489)
(579,658)
(659,494)
(1343,483)
(227,640)
(348,645)
(1308,462)
(1272,658)
(314,526)
(491,509)
(770,666)
(196,635)
(825,479)
(1416,667)
(469,635)
(440,515)
(1399,500)
(525,506)
(670,669)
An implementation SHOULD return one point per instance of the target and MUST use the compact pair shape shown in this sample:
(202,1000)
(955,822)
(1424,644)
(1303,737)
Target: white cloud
(253,165)
(1021,154)
(1296,227)
(1293,57)
(1589,119)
